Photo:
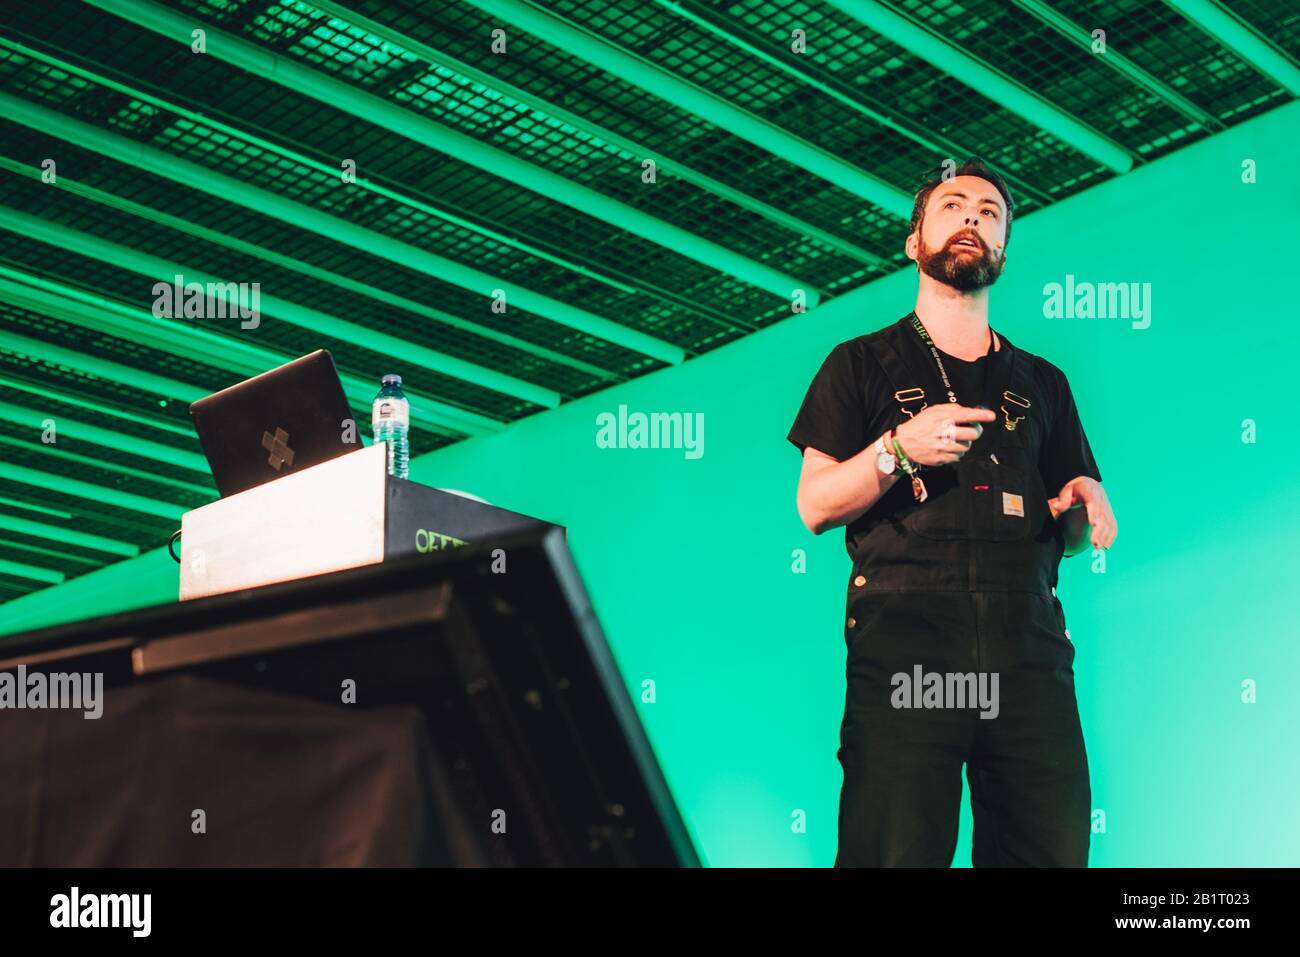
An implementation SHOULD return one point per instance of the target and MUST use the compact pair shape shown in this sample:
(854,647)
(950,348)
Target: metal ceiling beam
(992,84)
(373,109)
(1116,61)
(59,454)
(1243,40)
(103,494)
(603,134)
(112,318)
(126,526)
(71,428)
(9,543)
(666,86)
(90,364)
(322,323)
(38,509)
(101,314)
(68,536)
(113,201)
(714,21)
(81,402)
(32,572)
(192,175)
(208,121)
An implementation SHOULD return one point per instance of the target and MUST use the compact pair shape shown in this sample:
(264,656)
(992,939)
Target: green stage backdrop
(694,562)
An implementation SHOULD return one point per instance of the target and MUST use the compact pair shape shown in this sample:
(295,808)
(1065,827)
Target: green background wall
(689,561)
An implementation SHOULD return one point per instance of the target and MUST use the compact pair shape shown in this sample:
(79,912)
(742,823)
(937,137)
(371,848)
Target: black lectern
(457,708)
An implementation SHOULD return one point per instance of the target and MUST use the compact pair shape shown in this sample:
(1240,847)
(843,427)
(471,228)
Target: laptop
(275,424)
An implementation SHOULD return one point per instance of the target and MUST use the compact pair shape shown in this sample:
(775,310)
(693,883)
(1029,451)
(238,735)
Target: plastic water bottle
(390,420)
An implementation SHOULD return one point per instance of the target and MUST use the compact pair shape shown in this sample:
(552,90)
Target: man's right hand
(940,435)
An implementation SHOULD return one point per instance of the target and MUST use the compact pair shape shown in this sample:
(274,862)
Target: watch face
(885,462)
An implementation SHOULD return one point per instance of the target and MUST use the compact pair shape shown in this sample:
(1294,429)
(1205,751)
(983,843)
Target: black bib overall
(962,583)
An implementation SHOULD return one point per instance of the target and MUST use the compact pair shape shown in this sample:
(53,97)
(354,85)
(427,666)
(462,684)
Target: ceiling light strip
(34,419)
(604,135)
(113,201)
(993,85)
(92,311)
(262,62)
(31,572)
(638,71)
(161,163)
(65,485)
(69,536)
(59,453)
(1242,40)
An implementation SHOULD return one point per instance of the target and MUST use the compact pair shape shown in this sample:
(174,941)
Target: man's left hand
(1088,492)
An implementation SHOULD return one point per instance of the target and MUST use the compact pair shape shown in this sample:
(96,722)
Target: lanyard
(1010,396)
(919,490)
(943,373)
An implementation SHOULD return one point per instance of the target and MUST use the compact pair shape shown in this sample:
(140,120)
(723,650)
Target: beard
(963,271)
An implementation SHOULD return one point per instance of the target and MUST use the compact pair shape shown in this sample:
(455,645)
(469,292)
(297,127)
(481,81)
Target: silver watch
(885,460)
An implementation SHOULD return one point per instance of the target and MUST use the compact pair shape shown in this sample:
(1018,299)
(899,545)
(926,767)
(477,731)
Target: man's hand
(938,435)
(1086,492)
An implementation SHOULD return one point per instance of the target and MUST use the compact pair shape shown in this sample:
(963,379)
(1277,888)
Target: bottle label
(389,412)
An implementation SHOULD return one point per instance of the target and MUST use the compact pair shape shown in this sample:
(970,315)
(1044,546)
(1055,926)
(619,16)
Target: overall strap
(911,399)
(1017,401)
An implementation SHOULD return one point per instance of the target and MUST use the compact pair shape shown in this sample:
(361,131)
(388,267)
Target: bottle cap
(391,379)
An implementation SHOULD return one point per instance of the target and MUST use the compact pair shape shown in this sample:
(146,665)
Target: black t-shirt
(968,377)
(850,404)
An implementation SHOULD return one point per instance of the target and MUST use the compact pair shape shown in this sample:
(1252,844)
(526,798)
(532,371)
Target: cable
(172,541)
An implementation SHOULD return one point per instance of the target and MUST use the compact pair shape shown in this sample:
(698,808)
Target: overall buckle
(903,396)
(1014,399)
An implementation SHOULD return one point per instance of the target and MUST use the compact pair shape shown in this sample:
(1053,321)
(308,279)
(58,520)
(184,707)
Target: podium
(343,513)
(444,709)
